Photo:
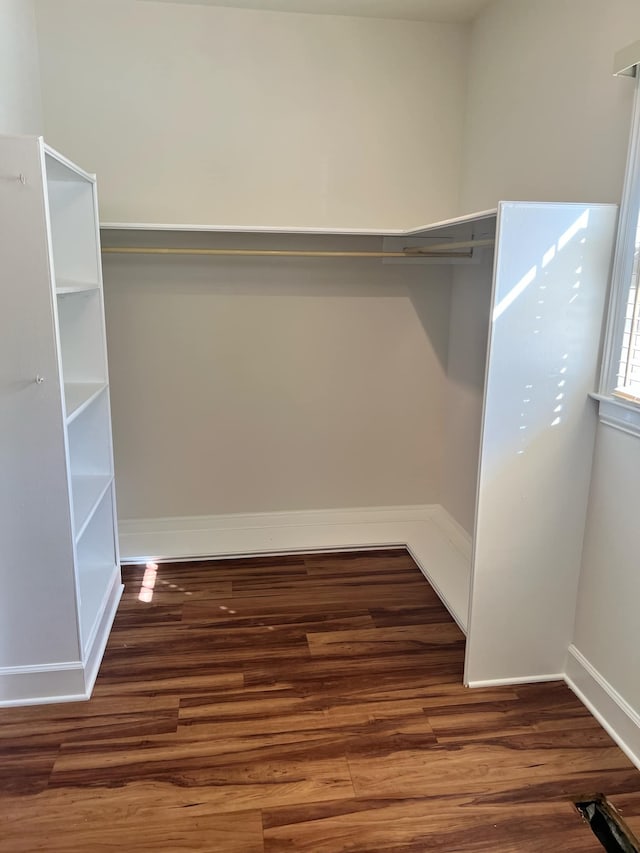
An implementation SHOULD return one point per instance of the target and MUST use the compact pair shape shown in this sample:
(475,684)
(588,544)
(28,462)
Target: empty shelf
(78,395)
(87,490)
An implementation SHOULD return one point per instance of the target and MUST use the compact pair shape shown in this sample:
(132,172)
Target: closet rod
(441,250)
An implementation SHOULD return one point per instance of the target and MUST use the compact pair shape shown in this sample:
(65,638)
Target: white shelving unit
(503,547)
(60,574)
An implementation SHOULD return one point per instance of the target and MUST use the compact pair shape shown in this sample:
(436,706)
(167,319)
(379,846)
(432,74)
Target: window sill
(618,414)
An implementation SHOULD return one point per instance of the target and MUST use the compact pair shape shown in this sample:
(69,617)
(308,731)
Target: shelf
(78,395)
(271,229)
(87,492)
(60,168)
(65,287)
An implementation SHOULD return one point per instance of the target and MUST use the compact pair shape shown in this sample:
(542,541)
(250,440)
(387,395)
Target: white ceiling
(455,11)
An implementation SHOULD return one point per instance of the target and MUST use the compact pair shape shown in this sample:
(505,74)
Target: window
(627,378)
(620,381)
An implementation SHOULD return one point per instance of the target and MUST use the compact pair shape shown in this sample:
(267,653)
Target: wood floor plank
(501,767)
(300,703)
(416,825)
(397,640)
(138,819)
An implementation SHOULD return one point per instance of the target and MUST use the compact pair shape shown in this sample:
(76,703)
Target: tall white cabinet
(59,571)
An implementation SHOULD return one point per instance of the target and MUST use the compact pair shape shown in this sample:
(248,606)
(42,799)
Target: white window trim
(616,411)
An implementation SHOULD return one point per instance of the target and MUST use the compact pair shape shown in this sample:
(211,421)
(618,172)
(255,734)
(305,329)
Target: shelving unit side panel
(37,606)
(550,280)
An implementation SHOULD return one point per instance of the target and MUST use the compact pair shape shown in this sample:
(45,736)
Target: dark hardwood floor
(300,704)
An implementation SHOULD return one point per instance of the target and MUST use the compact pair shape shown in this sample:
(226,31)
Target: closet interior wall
(260,385)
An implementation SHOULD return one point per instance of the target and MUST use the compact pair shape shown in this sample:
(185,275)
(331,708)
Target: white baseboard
(248,534)
(71,681)
(38,685)
(520,679)
(613,713)
(437,543)
(457,535)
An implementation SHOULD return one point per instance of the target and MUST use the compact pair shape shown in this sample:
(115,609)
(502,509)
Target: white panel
(550,281)
(625,60)
(82,342)
(468,328)
(73,230)
(96,567)
(56,463)
(37,606)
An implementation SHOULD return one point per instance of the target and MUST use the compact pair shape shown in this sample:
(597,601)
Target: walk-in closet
(508,305)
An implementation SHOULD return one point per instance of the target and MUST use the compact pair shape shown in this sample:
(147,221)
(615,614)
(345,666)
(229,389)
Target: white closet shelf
(66,287)
(79,395)
(60,168)
(268,229)
(88,491)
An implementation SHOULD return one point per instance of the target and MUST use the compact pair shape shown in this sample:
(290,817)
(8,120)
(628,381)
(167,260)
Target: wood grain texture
(300,704)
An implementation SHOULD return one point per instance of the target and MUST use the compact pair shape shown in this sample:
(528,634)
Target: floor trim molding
(520,679)
(39,685)
(613,712)
(245,534)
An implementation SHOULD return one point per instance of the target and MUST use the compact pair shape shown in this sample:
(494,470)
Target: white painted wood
(437,543)
(617,413)
(468,325)
(550,280)
(249,229)
(626,60)
(418,231)
(35,685)
(613,713)
(64,287)
(87,491)
(523,679)
(37,606)
(57,511)
(73,232)
(70,681)
(79,395)
(82,343)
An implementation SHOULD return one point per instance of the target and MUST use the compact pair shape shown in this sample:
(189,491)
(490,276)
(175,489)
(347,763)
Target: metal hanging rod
(440,250)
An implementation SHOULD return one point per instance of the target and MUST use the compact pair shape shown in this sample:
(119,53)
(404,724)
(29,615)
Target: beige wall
(546,120)
(20,100)
(607,629)
(200,114)
(242,386)
(245,387)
